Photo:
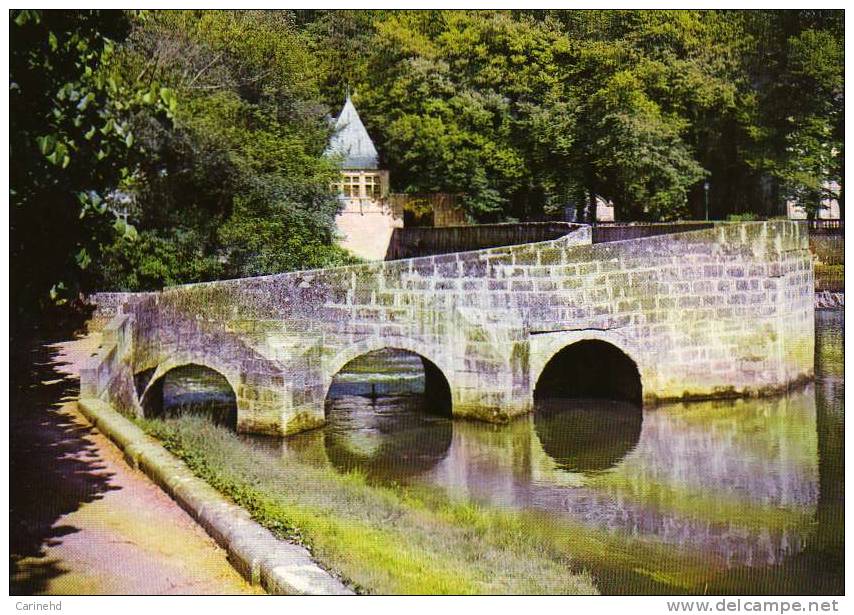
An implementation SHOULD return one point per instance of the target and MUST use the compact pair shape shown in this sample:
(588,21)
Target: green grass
(379,539)
(416,539)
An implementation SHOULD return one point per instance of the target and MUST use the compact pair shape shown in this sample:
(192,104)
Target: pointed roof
(352,140)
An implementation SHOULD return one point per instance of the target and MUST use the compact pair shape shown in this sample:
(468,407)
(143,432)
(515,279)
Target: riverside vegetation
(379,539)
(728,496)
(168,147)
(390,539)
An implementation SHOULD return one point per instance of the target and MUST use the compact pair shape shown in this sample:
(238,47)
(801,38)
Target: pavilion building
(367,219)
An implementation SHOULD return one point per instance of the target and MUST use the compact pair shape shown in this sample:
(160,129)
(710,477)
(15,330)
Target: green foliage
(237,187)
(814,139)
(157,147)
(637,155)
(523,112)
(156,259)
(453,97)
(71,145)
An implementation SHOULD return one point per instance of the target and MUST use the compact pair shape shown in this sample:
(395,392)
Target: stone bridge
(725,311)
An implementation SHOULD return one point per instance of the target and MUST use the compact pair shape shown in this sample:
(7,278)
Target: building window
(373,187)
(351,186)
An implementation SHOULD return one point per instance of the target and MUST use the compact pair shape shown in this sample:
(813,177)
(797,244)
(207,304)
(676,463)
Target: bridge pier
(490,406)
(722,311)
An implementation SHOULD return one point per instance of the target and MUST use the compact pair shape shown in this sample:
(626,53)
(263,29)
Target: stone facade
(725,311)
(365,222)
(367,217)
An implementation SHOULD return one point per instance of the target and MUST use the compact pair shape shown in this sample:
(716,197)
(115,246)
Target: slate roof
(353,141)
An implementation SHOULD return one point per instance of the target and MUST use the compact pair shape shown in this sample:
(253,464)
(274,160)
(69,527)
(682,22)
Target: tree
(238,185)
(451,96)
(637,156)
(796,73)
(524,111)
(71,146)
(814,132)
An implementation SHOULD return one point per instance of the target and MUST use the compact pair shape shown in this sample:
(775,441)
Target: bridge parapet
(719,311)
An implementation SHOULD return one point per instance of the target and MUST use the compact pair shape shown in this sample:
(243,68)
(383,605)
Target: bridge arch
(587,364)
(150,397)
(438,385)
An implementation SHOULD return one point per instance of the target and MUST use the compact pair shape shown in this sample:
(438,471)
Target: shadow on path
(54,468)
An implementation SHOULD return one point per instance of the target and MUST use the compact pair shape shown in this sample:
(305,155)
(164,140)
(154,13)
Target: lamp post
(706,194)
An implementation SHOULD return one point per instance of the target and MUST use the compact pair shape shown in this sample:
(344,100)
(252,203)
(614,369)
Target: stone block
(588,268)
(551,256)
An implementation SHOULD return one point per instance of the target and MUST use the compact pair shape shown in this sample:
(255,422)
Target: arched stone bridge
(725,311)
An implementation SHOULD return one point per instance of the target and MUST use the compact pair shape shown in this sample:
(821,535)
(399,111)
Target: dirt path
(81,520)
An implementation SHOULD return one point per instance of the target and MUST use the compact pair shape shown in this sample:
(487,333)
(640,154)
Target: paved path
(81,520)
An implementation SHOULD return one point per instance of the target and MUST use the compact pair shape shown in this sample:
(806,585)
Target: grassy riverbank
(381,540)
(395,540)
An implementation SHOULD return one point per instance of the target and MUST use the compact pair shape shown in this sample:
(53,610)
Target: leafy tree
(794,65)
(813,133)
(71,146)
(448,94)
(637,156)
(238,185)
(525,111)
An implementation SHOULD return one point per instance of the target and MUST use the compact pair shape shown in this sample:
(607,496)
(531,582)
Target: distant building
(604,212)
(828,208)
(367,219)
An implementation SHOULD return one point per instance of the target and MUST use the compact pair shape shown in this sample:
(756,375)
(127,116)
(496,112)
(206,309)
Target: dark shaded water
(749,491)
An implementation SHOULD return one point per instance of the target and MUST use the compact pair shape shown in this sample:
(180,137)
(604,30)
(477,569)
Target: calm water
(750,489)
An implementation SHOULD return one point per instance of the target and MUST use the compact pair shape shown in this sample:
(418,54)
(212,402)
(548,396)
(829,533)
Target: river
(750,490)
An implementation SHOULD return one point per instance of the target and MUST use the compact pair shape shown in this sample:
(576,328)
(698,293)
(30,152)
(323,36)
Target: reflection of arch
(590,368)
(583,435)
(222,408)
(389,438)
(437,385)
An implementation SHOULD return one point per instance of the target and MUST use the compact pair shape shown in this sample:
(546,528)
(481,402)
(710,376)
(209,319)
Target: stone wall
(620,231)
(412,242)
(107,305)
(725,311)
(431,209)
(828,249)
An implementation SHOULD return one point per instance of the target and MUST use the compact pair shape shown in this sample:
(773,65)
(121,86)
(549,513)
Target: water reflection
(735,480)
(753,487)
(587,435)
(193,388)
(391,431)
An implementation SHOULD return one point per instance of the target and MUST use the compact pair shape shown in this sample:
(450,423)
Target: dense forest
(151,148)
